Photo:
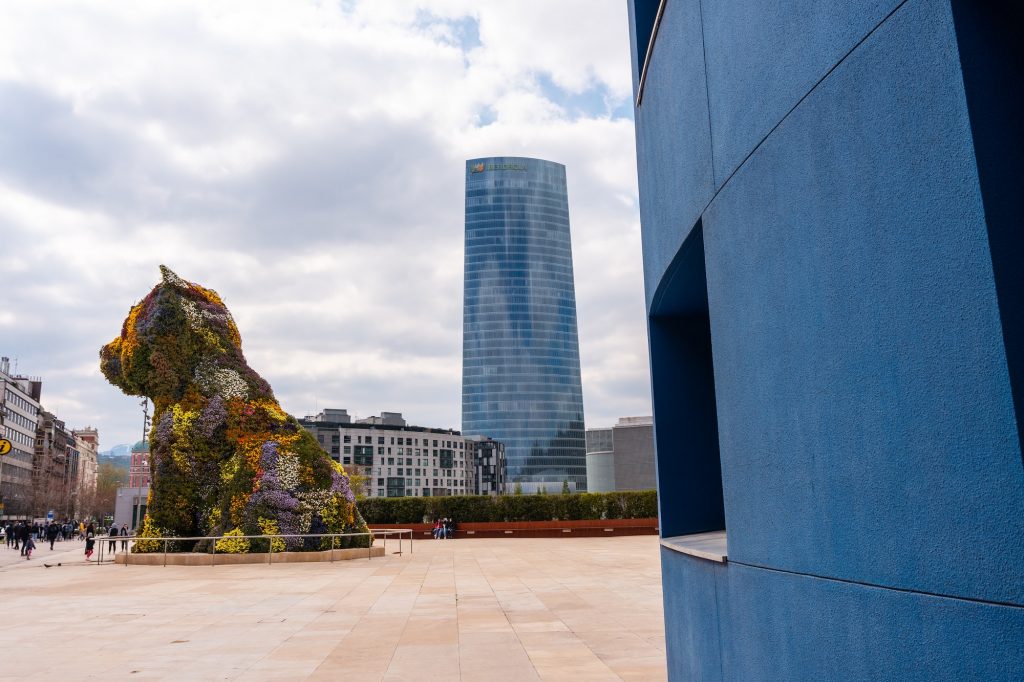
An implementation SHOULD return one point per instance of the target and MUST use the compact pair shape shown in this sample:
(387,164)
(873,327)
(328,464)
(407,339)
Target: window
(347,449)
(346,460)
(348,439)
(684,394)
(380,440)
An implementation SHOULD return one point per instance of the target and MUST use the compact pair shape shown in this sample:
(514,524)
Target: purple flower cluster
(271,495)
(165,428)
(339,484)
(213,416)
(274,498)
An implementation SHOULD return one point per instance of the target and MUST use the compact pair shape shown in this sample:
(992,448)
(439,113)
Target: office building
(520,350)
(84,480)
(399,460)
(621,457)
(831,226)
(19,416)
(50,465)
(490,470)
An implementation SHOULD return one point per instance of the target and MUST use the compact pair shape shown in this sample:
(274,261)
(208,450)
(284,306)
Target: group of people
(23,535)
(444,529)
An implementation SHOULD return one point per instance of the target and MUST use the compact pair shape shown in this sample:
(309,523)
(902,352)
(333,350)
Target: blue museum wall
(764,56)
(672,130)
(744,623)
(858,349)
(862,248)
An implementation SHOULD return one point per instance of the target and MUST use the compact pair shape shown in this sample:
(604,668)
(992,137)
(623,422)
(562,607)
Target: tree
(357,481)
(565,487)
(517,489)
(109,478)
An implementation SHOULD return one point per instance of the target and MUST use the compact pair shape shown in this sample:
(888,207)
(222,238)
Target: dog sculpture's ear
(171,279)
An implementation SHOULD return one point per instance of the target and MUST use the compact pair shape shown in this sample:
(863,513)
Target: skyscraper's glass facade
(520,350)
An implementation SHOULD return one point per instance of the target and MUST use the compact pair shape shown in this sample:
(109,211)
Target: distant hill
(119,456)
(118,451)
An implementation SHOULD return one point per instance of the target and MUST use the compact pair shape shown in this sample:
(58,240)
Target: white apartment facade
(398,460)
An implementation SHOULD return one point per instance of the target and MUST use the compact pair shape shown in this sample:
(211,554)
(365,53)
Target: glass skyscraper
(520,349)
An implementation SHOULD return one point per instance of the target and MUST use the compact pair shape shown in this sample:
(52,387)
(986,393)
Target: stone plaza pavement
(488,609)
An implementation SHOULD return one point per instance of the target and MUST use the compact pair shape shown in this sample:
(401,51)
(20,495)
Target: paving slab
(480,609)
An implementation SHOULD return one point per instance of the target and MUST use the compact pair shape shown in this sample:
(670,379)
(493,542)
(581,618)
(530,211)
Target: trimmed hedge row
(641,504)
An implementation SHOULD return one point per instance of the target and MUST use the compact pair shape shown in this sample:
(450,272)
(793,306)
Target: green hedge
(641,504)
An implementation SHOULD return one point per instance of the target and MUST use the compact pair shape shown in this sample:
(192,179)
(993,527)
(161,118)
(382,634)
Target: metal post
(165,553)
(410,541)
(333,537)
(213,560)
(270,554)
(385,544)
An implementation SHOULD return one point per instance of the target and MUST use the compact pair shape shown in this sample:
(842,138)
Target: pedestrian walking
(124,537)
(90,540)
(52,531)
(9,532)
(30,544)
(112,544)
(24,534)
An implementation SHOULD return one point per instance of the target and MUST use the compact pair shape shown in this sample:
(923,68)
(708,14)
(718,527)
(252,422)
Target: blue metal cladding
(833,190)
(520,349)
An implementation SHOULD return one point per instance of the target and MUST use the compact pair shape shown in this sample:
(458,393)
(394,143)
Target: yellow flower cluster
(232,544)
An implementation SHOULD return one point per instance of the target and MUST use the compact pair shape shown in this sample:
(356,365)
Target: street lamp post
(137,501)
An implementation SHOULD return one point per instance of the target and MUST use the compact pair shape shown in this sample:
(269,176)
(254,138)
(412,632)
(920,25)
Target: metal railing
(373,534)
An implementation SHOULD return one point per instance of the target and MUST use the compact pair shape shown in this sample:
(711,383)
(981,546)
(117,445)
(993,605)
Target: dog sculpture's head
(180,337)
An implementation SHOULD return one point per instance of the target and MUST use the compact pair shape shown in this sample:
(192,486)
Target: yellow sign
(5,446)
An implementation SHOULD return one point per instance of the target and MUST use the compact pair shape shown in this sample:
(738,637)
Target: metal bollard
(165,553)
(213,559)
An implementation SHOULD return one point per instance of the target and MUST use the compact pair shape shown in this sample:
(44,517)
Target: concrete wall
(828,230)
(600,472)
(634,457)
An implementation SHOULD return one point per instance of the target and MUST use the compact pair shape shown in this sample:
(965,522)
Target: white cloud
(305,159)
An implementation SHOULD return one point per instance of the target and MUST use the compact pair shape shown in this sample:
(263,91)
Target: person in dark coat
(112,545)
(52,531)
(124,537)
(24,534)
(90,540)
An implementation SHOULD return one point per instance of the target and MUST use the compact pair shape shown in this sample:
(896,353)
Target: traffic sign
(5,446)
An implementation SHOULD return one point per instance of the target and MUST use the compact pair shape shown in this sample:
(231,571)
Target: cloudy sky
(305,159)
